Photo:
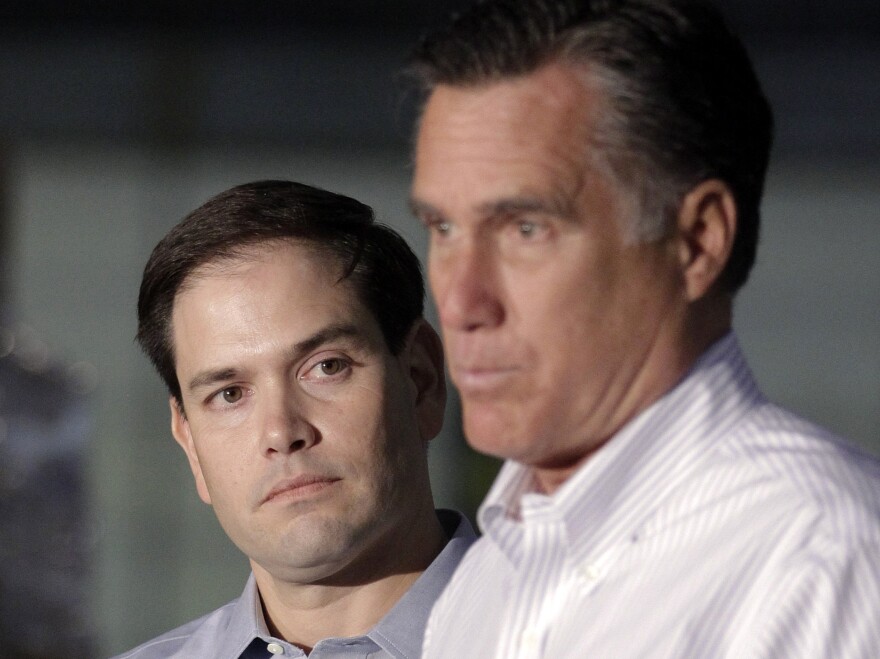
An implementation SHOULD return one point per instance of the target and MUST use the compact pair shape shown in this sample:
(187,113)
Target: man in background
(591,173)
(304,389)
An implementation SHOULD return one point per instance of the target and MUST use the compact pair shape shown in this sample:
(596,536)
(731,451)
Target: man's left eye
(331,369)
(527,229)
(331,366)
(231,394)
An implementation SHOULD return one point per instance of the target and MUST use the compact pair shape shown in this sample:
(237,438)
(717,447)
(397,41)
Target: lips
(482,379)
(301,486)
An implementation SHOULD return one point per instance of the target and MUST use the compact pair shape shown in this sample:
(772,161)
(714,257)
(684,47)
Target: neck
(669,360)
(306,613)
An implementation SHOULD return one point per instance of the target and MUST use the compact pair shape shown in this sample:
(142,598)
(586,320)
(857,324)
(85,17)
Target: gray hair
(683,104)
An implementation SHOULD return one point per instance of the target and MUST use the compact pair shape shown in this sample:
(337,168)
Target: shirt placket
(539,595)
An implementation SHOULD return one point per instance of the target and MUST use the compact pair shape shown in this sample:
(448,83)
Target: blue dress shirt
(238,629)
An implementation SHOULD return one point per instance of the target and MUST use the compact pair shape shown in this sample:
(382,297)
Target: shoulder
(479,575)
(172,642)
(831,482)
(456,525)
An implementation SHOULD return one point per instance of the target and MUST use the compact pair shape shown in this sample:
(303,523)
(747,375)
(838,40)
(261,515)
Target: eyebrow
(559,206)
(324,335)
(422,208)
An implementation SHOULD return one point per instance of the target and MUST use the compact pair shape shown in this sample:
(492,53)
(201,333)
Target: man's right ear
(426,372)
(706,229)
(183,436)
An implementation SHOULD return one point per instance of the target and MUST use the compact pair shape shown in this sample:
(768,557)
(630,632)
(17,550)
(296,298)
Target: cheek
(349,427)
(439,268)
(353,428)
(225,479)
(224,465)
(558,314)
(386,438)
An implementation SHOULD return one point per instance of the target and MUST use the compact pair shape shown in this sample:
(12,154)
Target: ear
(706,228)
(425,362)
(183,436)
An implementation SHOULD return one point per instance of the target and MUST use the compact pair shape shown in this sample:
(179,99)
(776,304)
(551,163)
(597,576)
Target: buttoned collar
(399,632)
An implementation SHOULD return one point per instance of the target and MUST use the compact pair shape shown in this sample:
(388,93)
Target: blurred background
(118,118)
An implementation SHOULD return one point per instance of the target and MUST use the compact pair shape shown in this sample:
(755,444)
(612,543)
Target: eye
(440,228)
(437,225)
(527,229)
(331,366)
(331,369)
(231,394)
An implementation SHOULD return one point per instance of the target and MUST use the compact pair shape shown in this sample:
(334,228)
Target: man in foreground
(304,389)
(591,173)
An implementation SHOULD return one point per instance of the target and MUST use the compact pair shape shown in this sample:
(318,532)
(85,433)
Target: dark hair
(683,102)
(383,269)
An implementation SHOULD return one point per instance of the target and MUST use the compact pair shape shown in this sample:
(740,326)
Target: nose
(286,429)
(464,281)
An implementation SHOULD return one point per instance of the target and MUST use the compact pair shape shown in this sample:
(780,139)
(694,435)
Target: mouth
(482,380)
(301,487)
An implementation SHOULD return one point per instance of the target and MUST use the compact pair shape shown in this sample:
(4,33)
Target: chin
(511,431)
(305,562)
(490,435)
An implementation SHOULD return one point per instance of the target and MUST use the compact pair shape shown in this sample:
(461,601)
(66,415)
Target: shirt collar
(246,622)
(400,632)
(643,462)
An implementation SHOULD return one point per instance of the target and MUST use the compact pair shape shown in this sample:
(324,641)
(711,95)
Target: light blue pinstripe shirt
(715,524)
(238,630)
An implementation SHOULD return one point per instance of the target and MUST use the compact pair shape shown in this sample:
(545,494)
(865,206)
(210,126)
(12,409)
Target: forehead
(540,121)
(560,89)
(286,283)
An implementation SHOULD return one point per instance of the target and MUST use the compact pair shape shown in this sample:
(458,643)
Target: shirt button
(590,573)
(274,648)
(530,640)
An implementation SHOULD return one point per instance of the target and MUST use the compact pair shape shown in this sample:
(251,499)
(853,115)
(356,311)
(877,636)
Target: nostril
(289,431)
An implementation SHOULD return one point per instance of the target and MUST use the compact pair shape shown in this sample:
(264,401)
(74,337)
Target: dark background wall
(202,72)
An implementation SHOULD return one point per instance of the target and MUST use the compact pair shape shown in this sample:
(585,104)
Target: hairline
(252,251)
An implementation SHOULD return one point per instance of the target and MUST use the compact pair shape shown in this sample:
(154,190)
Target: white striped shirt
(715,524)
